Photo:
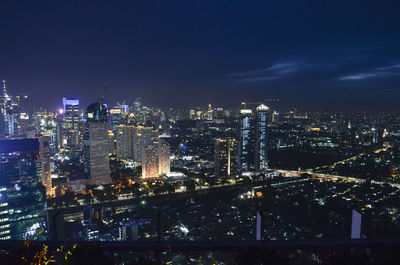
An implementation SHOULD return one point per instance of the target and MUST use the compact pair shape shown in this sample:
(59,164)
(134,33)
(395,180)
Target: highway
(328,177)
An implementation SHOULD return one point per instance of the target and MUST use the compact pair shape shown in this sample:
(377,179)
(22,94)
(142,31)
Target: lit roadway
(286,173)
(328,177)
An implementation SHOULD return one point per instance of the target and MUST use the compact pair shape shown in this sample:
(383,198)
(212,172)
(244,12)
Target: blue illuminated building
(23,208)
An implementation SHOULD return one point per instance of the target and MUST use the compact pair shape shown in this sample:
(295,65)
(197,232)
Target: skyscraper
(141,136)
(96,147)
(226,157)
(70,122)
(131,139)
(44,152)
(124,137)
(247,140)
(115,118)
(262,114)
(155,159)
(253,139)
(9,117)
(23,206)
(3,109)
(275,117)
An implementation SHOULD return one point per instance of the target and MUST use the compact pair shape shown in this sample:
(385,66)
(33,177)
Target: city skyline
(200,132)
(347,60)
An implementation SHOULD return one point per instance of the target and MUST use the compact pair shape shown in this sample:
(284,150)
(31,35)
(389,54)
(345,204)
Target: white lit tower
(261,137)
(247,140)
(155,159)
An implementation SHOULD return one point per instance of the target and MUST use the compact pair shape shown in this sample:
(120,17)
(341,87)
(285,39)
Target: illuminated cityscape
(214,132)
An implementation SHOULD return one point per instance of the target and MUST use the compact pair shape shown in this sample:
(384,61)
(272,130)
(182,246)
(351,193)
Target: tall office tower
(247,140)
(209,114)
(46,123)
(97,164)
(124,137)
(141,136)
(111,143)
(192,114)
(155,159)
(11,122)
(262,114)
(8,114)
(377,135)
(44,153)
(70,122)
(131,139)
(23,208)
(24,125)
(275,116)
(115,118)
(3,108)
(226,157)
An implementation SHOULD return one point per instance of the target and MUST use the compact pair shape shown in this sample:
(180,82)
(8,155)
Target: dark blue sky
(335,55)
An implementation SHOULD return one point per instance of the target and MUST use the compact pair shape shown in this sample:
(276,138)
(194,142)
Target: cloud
(273,72)
(359,76)
(378,72)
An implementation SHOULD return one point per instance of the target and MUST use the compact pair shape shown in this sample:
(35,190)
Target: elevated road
(328,177)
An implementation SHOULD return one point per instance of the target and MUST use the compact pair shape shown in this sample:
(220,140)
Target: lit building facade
(124,137)
(156,160)
(70,122)
(116,118)
(254,139)
(130,141)
(141,136)
(261,144)
(45,154)
(96,145)
(226,159)
(247,140)
(23,208)
(9,114)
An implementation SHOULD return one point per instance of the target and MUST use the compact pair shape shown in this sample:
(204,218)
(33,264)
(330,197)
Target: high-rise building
(141,136)
(192,114)
(45,153)
(124,137)
(155,159)
(9,116)
(96,146)
(70,122)
(115,118)
(247,140)
(131,139)
(226,150)
(111,143)
(24,125)
(262,114)
(23,208)
(253,139)
(46,123)
(275,117)
(3,108)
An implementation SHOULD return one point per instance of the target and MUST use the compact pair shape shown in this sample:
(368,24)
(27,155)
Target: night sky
(313,55)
